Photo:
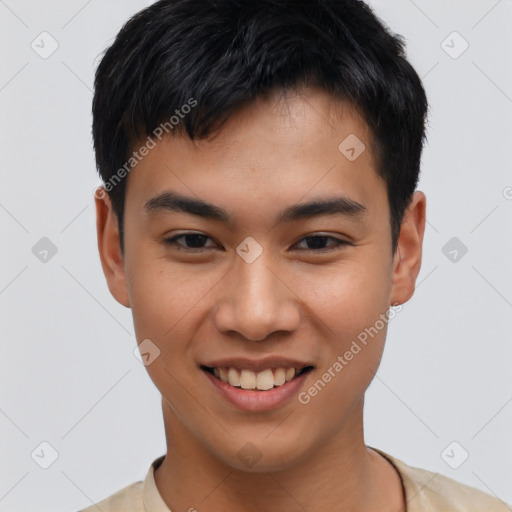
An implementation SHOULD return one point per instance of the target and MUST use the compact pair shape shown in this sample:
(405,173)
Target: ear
(407,257)
(109,246)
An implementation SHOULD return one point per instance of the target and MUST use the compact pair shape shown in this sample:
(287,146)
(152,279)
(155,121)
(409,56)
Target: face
(235,290)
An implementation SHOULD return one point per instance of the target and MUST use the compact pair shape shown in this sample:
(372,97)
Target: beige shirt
(425,491)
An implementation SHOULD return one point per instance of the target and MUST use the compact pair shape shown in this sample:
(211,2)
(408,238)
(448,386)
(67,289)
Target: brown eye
(319,243)
(191,241)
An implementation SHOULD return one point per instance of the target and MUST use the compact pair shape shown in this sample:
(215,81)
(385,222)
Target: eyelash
(337,242)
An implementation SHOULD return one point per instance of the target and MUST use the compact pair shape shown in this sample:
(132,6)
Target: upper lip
(256,365)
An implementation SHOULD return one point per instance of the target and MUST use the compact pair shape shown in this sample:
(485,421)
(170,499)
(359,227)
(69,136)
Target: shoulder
(444,493)
(127,498)
(428,491)
(134,497)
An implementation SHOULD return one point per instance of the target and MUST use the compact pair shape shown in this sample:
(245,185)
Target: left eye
(319,242)
(315,242)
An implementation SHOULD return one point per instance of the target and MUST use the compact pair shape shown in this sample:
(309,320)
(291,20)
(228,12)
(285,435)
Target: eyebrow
(172,201)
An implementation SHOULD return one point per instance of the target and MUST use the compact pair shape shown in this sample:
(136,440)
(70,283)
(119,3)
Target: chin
(264,454)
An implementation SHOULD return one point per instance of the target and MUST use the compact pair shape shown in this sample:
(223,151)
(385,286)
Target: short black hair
(218,55)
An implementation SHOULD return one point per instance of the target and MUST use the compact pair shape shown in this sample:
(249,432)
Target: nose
(256,301)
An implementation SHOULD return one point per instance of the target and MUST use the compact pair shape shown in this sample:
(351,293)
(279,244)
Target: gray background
(69,376)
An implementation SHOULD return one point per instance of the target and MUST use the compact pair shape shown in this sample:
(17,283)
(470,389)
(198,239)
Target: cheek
(348,365)
(347,298)
(164,297)
(169,306)
(351,305)
(163,306)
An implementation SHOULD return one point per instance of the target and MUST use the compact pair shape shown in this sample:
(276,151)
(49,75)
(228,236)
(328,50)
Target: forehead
(284,148)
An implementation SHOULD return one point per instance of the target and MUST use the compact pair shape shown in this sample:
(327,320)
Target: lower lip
(250,400)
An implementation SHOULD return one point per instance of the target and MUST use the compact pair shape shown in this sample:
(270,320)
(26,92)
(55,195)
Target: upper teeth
(247,379)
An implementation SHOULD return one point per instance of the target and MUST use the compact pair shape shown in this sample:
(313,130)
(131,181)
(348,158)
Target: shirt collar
(153,501)
(414,481)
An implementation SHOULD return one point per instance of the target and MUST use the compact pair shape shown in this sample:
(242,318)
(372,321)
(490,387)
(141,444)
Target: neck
(341,474)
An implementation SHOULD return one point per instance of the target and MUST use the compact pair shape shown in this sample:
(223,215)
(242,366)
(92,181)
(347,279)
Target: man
(259,215)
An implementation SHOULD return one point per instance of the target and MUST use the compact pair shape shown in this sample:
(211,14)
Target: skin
(292,301)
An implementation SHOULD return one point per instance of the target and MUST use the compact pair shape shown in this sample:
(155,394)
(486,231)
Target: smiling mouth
(259,381)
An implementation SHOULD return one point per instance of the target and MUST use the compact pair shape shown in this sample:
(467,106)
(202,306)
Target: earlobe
(407,258)
(109,247)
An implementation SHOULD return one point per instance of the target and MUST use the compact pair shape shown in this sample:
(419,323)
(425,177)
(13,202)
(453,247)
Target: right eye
(194,241)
